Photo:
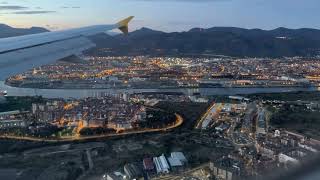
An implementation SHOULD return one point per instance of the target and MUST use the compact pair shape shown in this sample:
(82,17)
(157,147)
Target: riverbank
(86,86)
(83,93)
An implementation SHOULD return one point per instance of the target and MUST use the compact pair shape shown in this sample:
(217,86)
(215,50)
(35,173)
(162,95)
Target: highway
(199,123)
(205,120)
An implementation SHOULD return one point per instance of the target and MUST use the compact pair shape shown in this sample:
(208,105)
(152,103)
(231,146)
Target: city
(239,133)
(170,72)
(159,90)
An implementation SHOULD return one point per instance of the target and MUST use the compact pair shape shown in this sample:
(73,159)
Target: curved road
(179,121)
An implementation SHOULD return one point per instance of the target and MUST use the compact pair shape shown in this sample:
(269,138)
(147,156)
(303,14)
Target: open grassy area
(294,117)
(189,111)
(288,96)
(14,146)
(299,120)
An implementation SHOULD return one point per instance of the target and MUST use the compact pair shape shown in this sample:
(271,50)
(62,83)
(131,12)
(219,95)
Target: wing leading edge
(18,54)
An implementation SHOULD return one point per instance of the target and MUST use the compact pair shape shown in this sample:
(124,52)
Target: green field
(294,117)
(290,96)
(299,120)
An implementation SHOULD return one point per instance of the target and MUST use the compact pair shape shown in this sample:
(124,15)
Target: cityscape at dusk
(159,90)
(169,72)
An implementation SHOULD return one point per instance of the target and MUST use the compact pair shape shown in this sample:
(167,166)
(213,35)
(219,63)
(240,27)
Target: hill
(7,31)
(229,41)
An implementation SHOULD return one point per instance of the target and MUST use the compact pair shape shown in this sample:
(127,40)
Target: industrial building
(161,164)
(132,171)
(112,177)
(148,165)
(176,164)
(179,156)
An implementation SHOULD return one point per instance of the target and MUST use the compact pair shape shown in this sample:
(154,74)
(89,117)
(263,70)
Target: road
(179,121)
(89,159)
(199,123)
(206,119)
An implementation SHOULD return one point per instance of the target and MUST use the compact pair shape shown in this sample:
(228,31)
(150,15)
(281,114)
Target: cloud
(193,1)
(33,12)
(12,7)
(175,23)
(71,7)
(22,9)
(54,28)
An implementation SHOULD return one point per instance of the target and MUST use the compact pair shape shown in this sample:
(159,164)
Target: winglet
(123,25)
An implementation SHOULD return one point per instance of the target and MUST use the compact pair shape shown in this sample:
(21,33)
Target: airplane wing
(21,53)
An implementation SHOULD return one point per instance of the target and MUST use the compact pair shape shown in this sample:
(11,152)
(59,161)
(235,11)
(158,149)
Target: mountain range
(7,31)
(229,41)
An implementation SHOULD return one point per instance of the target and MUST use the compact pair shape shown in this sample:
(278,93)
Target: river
(82,93)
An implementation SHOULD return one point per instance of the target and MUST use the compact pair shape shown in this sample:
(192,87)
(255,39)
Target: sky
(164,15)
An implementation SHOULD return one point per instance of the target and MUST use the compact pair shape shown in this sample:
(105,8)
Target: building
(180,156)
(47,112)
(262,121)
(13,119)
(222,127)
(148,165)
(9,113)
(175,164)
(177,161)
(198,99)
(293,156)
(112,177)
(226,108)
(239,98)
(221,172)
(161,164)
(5,124)
(94,123)
(124,125)
(226,169)
(132,171)
(250,117)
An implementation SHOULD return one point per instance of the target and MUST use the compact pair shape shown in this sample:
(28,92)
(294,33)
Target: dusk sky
(165,15)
